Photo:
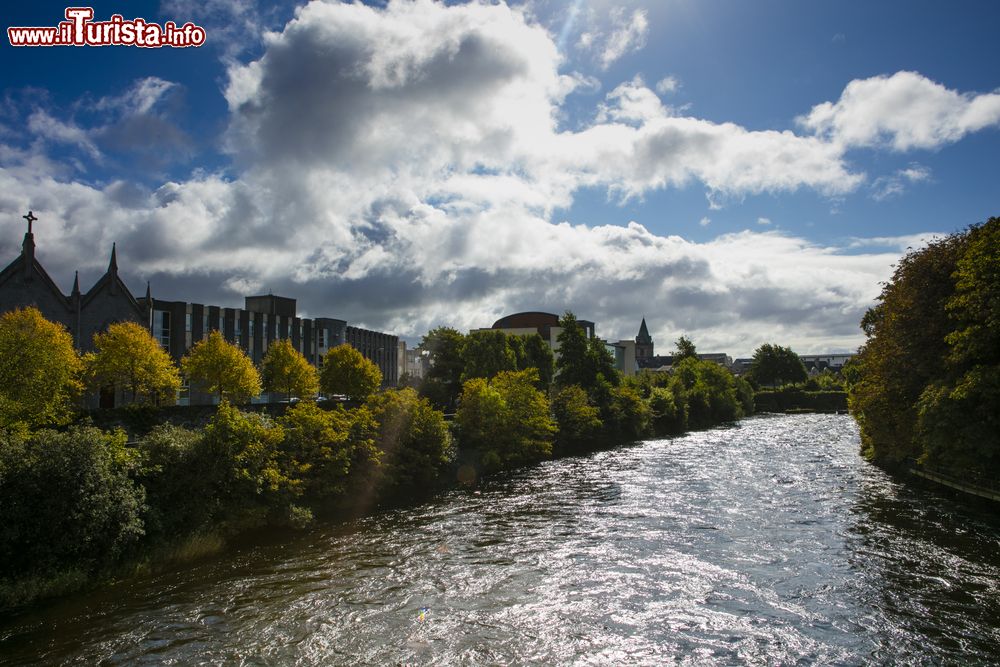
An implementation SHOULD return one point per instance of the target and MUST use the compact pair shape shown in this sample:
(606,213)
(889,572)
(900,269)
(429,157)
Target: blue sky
(737,172)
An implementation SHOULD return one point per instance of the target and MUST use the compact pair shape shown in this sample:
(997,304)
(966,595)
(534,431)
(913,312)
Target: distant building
(178,325)
(24,282)
(643,343)
(625,353)
(646,359)
(415,363)
(817,363)
(545,325)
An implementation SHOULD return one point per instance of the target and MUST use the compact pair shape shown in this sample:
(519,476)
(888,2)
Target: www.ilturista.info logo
(79,29)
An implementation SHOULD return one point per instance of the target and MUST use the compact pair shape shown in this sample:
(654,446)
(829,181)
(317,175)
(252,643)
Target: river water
(769,542)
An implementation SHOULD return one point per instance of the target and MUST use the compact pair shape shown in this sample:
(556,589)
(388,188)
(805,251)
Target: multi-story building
(178,325)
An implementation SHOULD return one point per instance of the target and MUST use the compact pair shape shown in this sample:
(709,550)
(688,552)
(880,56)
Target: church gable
(107,302)
(24,282)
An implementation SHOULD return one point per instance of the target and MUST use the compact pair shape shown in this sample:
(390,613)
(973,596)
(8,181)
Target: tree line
(926,383)
(78,501)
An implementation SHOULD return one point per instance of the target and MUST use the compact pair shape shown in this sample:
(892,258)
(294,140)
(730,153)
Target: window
(161,327)
(187,323)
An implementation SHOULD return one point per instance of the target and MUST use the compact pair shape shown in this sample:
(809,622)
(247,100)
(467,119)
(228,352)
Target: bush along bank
(794,399)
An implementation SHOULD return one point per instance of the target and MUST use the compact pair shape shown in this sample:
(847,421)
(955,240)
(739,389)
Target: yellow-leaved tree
(222,368)
(128,358)
(287,372)
(346,371)
(39,370)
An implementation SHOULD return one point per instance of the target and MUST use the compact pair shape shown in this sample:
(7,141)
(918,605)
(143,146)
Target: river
(768,542)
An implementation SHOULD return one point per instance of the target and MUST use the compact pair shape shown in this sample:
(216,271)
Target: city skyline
(737,175)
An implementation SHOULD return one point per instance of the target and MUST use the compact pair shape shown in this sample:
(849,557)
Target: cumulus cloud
(903,111)
(400,167)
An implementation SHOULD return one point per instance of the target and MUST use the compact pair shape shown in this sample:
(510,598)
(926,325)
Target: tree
(39,370)
(506,419)
(287,372)
(571,366)
(346,371)
(222,368)
(128,358)
(582,361)
(415,443)
(958,415)
(322,448)
(685,350)
(68,500)
(486,353)
(538,355)
(443,380)
(775,365)
(905,350)
(580,425)
(710,392)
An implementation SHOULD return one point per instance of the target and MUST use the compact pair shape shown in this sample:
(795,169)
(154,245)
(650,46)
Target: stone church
(26,283)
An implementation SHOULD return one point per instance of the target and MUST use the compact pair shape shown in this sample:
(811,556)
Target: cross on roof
(30,218)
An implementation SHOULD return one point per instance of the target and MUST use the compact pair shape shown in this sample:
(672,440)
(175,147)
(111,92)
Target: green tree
(240,453)
(68,502)
(625,415)
(486,353)
(668,414)
(222,368)
(506,419)
(39,370)
(958,415)
(415,443)
(287,372)
(684,350)
(346,371)
(582,361)
(905,351)
(579,422)
(443,381)
(326,449)
(710,392)
(538,355)
(775,365)
(128,358)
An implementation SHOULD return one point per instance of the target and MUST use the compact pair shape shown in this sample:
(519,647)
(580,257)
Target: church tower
(643,343)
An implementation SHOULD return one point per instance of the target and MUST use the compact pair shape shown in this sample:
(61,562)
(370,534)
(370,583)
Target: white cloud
(53,130)
(763,221)
(705,221)
(144,94)
(413,181)
(887,187)
(903,111)
(627,34)
(667,85)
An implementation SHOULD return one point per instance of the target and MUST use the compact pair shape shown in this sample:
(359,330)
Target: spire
(76,284)
(643,338)
(28,253)
(149,294)
(113,270)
